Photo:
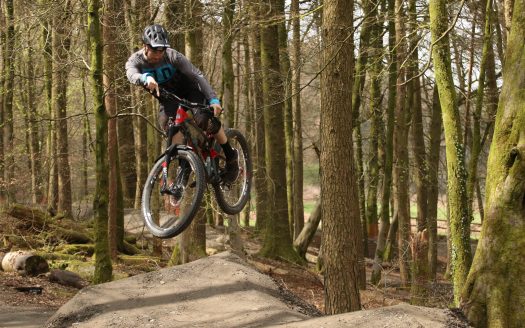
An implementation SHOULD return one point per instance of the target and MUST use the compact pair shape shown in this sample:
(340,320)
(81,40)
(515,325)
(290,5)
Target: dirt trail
(217,291)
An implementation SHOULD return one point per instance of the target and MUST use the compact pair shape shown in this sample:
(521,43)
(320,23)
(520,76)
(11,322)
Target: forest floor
(303,281)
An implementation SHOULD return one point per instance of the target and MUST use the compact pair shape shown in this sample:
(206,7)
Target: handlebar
(165,94)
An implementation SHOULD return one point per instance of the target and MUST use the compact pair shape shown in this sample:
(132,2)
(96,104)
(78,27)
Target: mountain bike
(174,189)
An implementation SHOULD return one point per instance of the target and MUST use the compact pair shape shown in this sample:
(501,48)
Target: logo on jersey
(162,73)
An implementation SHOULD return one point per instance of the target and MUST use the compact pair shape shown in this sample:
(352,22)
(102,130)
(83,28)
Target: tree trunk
(387,158)
(357,90)
(52,182)
(433,182)
(417,129)
(112,19)
(61,44)
(103,267)
(33,131)
(476,129)
(374,72)
(298,210)
(456,171)
(175,24)
(277,239)
(494,292)
(304,239)
(137,15)
(227,63)
(342,243)
(25,263)
(261,192)
(192,243)
(286,72)
(3,194)
(8,124)
(401,176)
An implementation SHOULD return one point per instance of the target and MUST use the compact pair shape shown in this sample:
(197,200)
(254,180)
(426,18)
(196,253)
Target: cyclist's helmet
(155,36)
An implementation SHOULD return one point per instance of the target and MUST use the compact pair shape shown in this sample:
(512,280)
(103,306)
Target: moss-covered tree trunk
(113,51)
(277,239)
(388,148)
(103,267)
(342,235)
(456,171)
(137,16)
(357,90)
(286,72)
(476,126)
(494,293)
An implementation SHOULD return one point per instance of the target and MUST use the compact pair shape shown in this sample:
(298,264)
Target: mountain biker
(158,64)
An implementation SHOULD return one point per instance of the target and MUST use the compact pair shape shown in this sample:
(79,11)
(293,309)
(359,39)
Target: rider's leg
(232,164)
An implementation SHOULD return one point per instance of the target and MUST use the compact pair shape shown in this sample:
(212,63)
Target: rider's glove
(151,84)
(217,109)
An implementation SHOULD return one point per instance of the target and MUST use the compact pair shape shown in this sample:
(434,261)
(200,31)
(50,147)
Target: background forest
(385,109)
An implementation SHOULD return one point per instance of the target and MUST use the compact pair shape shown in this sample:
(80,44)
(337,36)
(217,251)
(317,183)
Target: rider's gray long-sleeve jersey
(174,72)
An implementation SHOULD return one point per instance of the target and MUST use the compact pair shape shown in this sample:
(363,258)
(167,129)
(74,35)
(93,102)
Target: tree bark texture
(388,152)
(456,171)
(342,242)
(25,263)
(475,151)
(227,63)
(113,18)
(262,197)
(8,168)
(277,239)
(401,176)
(494,293)
(61,43)
(433,182)
(286,72)
(103,266)
(298,210)
(304,239)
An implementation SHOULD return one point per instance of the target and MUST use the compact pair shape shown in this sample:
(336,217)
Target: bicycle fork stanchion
(171,150)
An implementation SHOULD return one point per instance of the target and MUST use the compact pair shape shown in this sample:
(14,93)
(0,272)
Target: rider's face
(154,55)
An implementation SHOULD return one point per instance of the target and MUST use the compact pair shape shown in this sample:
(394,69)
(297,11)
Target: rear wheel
(232,197)
(168,210)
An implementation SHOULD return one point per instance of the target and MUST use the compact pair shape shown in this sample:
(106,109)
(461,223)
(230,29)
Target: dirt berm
(217,291)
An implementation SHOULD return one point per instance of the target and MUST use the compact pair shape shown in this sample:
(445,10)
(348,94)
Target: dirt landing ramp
(218,291)
(397,316)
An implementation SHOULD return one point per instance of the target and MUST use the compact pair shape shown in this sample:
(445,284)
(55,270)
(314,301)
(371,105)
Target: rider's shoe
(231,171)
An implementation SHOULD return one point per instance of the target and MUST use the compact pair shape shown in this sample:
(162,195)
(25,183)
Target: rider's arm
(194,74)
(133,69)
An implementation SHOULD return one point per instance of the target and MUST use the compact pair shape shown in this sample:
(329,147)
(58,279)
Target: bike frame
(195,139)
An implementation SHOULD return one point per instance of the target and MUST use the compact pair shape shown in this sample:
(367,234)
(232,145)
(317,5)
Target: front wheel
(168,210)
(232,197)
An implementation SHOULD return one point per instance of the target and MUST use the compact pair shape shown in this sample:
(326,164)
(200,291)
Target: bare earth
(218,291)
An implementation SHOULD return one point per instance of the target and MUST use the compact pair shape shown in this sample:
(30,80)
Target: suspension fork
(171,150)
